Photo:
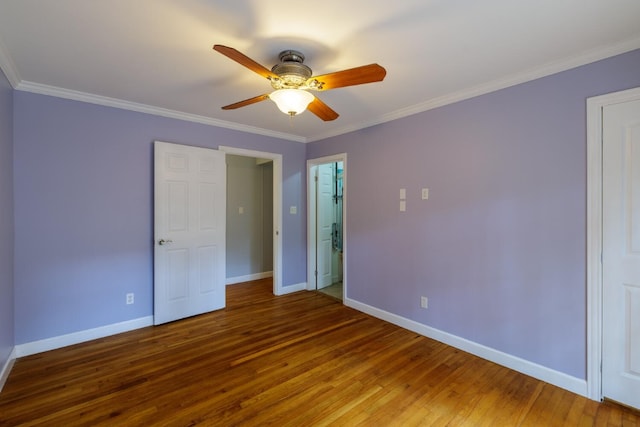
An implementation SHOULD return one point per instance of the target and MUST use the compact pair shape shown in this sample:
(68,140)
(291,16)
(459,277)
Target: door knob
(164,242)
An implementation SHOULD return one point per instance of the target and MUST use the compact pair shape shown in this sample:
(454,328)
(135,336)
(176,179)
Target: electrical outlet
(129,298)
(424,302)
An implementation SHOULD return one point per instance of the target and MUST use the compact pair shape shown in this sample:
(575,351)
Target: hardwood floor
(297,360)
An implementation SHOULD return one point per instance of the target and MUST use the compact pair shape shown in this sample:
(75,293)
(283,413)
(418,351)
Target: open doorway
(249,225)
(271,165)
(326,178)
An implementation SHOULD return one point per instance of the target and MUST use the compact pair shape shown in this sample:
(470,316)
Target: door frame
(311,219)
(595,106)
(277,207)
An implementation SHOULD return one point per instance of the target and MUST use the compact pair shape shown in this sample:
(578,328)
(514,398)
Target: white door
(324,224)
(621,253)
(189,254)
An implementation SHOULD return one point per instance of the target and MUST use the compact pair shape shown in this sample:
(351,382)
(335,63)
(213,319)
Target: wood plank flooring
(301,359)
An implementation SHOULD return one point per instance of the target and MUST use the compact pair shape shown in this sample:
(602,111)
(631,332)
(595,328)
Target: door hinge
(315,273)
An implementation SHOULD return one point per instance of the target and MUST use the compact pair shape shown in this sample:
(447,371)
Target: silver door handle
(164,242)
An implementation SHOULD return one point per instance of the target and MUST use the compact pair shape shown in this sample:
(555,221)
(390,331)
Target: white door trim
(595,106)
(311,218)
(277,207)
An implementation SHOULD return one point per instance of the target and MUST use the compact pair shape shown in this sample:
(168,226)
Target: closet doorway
(326,253)
(276,173)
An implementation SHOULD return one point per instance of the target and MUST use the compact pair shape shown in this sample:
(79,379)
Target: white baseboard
(6,368)
(248,278)
(293,288)
(53,343)
(559,379)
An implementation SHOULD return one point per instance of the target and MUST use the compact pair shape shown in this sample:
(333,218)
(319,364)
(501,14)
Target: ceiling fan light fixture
(291,101)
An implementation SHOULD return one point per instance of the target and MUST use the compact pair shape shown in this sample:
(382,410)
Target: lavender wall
(499,247)
(6,220)
(83,210)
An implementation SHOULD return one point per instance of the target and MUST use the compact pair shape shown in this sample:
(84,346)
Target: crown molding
(8,67)
(149,109)
(492,86)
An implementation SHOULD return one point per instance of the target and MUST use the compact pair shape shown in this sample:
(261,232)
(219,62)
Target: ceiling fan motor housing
(291,71)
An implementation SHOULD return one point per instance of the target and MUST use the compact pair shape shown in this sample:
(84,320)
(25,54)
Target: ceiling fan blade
(353,76)
(246,102)
(322,110)
(244,60)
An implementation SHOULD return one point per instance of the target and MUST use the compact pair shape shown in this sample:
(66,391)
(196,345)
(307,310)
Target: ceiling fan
(292,81)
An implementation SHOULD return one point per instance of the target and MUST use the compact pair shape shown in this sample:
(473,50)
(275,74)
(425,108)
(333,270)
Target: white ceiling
(156,55)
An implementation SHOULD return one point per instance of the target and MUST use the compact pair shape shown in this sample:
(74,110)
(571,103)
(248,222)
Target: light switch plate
(293,210)
(403,205)
(425,193)
(403,193)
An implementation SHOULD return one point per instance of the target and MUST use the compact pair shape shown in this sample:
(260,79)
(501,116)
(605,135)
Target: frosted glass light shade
(291,101)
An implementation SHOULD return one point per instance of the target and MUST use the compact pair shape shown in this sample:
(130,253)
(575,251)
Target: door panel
(207,256)
(189,255)
(324,224)
(177,200)
(208,199)
(621,254)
